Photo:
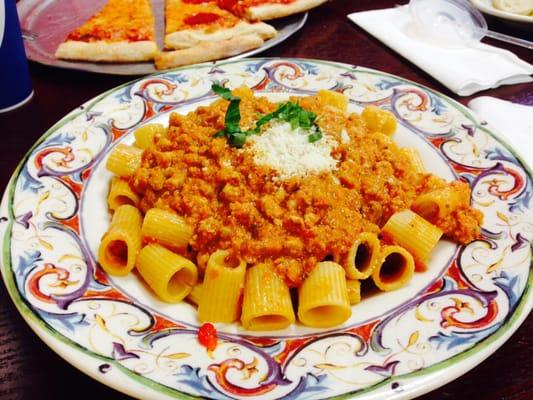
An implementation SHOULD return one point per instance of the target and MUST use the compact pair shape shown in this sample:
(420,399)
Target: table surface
(29,369)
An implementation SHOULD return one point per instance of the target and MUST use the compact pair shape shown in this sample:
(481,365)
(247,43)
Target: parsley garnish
(288,112)
(233,117)
(313,137)
(223,92)
(236,137)
(293,114)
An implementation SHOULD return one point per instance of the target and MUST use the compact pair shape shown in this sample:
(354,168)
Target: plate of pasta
(274,228)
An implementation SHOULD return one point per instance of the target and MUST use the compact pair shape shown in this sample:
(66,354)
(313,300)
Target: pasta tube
(395,270)
(416,160)
(354,291)
(170,275)
(333,99)
(244,92)
(122,242)
(124,160)
(121,193)
(363,256)
(267,302)
(166,228)
(144,136)
(196,294)
(222,288)
(409,230)
(440,203)
(323,297)
(378,120)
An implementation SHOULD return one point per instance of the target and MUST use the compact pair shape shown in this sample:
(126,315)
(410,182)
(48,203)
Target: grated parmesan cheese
(290,153)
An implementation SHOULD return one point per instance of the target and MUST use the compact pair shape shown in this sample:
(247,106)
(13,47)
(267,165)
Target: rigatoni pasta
(323,297)
(413,233)
(224,283)
(145,135)
(166,228)
(354,291)
(120,193)
(267,302)
(439,203)
(196,294)
(124,160)
(336,100)
(363,256)
(171,276)
(378,120)
(122,242)
(416,160)
(395,269)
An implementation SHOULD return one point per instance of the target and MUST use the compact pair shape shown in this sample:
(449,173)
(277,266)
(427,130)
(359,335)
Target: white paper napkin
(464,70)
(513,122)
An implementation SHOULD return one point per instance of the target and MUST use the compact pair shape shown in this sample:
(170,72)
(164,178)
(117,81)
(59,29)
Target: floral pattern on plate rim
(62,288)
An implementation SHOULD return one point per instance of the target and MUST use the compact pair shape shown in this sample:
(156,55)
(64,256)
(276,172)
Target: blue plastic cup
(15,82)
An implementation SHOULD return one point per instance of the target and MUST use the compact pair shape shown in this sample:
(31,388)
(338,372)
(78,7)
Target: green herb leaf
(295,122)
(307,119)
(263,120)
(237,139)
(223,92)
(295,115)
(233,117)
(313,137)
(289,112)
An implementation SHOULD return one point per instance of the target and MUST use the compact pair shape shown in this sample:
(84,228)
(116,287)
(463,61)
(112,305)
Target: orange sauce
(234,204)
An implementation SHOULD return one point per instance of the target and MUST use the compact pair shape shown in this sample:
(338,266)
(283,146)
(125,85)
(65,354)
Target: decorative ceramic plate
(487,7)
(46,23)
(396,345)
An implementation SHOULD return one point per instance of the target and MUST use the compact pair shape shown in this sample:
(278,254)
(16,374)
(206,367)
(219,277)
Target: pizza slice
(267,9)
(190,23)
(122,31)
(208,51)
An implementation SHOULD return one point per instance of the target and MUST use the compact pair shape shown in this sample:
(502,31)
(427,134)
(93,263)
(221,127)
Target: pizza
(268,9)
(200,30)
(195,30)
(208,51)
(122,31)
(191,22)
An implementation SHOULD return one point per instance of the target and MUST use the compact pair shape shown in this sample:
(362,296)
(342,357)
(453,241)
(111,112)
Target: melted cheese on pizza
(197,14)
(118,20)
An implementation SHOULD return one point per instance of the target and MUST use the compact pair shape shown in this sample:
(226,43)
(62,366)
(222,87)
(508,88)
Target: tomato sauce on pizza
(240,7)
(183,14)
(119,20)
(202,18)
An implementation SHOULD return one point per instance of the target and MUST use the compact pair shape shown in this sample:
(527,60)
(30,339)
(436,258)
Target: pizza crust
(100,50)
(271,11)
(208,51)
(191,37)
